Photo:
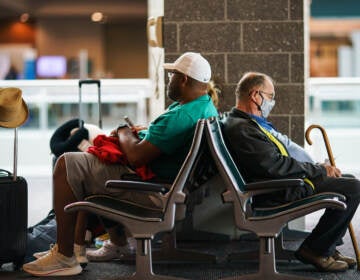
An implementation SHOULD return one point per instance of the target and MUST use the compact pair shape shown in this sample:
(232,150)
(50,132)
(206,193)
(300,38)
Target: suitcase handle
(88,82)
(6,172)
(15,153)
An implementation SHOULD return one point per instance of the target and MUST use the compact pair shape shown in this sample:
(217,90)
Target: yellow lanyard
(281,147)
(273,139)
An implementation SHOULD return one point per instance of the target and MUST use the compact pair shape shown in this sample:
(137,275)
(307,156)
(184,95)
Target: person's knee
(60,168)
(354,189)
(61,186)
(357,187)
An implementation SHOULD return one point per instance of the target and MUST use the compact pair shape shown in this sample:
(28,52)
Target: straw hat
(13,109)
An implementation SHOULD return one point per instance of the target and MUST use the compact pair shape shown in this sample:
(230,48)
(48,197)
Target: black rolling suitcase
(13,214)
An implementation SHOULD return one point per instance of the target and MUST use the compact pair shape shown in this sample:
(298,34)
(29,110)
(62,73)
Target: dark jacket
(258,158)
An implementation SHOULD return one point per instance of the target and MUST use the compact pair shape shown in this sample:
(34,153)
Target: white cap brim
(169,66)
(192,65)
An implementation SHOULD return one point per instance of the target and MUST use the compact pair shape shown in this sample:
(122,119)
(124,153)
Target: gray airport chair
(265,223)
(141,222)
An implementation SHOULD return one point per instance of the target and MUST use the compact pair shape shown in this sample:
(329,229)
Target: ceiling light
(97,17)
(24,17)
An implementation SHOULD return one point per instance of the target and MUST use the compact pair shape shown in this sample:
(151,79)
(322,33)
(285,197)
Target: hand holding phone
(129,122)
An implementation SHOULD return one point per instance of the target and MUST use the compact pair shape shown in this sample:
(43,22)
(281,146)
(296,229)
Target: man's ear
(252,94)
(183,80)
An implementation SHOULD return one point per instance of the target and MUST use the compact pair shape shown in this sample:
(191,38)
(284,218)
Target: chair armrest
(270,186)
(137,186)
(275,184)
(262,187)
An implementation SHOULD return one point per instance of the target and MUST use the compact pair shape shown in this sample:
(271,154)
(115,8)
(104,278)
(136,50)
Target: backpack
(41,236)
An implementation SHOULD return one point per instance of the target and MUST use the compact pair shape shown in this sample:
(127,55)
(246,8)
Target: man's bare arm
(138,152)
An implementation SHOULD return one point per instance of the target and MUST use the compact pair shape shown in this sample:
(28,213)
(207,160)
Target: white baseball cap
(193,65)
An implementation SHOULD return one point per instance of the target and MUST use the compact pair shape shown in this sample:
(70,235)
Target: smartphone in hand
(129,122)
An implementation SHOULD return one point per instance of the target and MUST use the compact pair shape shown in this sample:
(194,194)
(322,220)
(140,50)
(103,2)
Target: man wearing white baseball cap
(193,65)
(162,147)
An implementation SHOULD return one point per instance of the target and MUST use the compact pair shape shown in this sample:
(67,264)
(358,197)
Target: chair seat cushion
(278,210)
(126,208)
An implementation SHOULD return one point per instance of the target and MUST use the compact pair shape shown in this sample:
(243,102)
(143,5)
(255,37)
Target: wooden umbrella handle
(326,140)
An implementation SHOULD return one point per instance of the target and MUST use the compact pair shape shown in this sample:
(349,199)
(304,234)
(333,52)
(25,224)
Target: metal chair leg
(267,265)
(144,268)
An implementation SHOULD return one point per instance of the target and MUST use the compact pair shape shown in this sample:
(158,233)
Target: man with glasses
(261,152)
(162,147)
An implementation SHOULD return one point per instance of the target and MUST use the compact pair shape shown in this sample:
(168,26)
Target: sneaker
(53,264)
(38,255)
(109,251)
(79,252)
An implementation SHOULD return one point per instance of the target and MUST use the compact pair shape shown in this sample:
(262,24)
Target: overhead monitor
(51,66)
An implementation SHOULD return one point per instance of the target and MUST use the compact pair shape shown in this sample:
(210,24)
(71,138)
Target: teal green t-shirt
(172,133)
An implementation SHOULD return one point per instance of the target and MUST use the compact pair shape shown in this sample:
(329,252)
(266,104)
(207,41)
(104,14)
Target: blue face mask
(266,107)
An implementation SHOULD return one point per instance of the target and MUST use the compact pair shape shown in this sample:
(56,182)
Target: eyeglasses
(271,95)
(172,73)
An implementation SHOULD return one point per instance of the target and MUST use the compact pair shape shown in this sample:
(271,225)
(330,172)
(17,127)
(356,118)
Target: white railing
(34,150)
(334,90)
(325,89)
(342,125)
(45,92)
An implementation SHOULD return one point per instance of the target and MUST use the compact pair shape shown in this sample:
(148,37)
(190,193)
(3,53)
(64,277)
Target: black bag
(62,141)
(43,234)
(13,214)
(40,236)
